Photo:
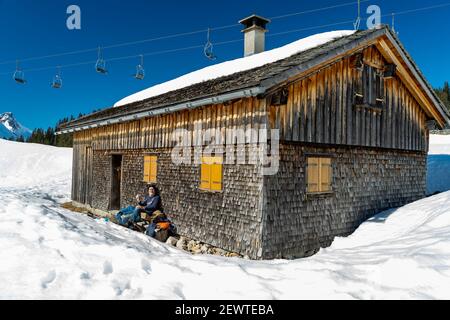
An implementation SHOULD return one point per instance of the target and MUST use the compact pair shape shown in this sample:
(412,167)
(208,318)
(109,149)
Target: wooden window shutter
(325,174)
(319,175)
(147,164)
(211,174)
(205,176)
(153,168)
(313,175)
(216,175)
(150,168)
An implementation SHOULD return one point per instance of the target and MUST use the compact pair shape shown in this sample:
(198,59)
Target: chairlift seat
(19,77)
(140,73)
(100,67)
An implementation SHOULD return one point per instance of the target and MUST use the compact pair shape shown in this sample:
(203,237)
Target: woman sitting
(148,204)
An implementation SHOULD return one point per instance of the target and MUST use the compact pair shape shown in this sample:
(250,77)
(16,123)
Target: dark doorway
(116,179)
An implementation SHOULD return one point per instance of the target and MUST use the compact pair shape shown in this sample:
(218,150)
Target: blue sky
(38,28)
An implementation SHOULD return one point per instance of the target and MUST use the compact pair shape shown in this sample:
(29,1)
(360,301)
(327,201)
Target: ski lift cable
(124,44)
(227,42)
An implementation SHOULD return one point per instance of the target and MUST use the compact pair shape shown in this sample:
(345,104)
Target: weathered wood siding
(321,109)
(157,132)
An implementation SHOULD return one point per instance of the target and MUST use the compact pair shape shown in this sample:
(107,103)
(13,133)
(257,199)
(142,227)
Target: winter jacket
(152,204)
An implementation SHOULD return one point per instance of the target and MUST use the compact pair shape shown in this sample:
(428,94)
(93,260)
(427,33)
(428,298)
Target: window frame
(320,190)
(370,96)
(210,165)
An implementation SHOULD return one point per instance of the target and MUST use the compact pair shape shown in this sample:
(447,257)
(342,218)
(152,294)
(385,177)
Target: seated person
(148,204)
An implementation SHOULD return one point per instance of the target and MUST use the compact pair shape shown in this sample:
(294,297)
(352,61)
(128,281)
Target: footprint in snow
(107,268)
(85,276)
(146,266)
(48,279)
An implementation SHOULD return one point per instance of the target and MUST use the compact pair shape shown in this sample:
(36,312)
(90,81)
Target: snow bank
(234,66)
(438,179)
(50,253)
(23,164)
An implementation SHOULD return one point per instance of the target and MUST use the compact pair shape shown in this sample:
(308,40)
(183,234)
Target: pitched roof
(248,76)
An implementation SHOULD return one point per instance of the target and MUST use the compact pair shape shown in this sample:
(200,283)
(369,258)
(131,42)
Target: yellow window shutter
(313,175)
(325,174)
(147,164)
(216,177)
(205,175)
(153,168)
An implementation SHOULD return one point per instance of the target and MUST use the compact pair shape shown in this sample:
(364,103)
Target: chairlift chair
(57,80)
(140,71)
(208,49)
(19,75)
(100,65)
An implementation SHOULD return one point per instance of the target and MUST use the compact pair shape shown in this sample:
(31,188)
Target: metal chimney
(254,34)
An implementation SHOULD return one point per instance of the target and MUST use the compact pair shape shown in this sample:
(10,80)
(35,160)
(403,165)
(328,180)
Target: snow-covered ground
(439,164)
(50,253)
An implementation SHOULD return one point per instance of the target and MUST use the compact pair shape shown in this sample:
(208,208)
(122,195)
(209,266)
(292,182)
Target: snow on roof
(234,66)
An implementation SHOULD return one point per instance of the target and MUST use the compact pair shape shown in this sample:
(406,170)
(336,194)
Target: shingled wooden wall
(364,183)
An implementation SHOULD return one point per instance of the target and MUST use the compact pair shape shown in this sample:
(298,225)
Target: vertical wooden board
(223,124)
(402,119)
(338,103)
(387,115)
(395,122)
(349,105)
(363,127)
(326,109)
(241,116)
(213,123)
(236,107)
(417,130)
(344,102)
(255,126)
(304,111)
(143,133)
(318,114)
(313,114)
(194,130)
(333,104)
(296,111)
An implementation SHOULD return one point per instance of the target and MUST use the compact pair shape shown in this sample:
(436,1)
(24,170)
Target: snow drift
(438,179)
(50,253)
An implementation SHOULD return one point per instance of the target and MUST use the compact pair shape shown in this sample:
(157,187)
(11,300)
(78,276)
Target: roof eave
(165,109)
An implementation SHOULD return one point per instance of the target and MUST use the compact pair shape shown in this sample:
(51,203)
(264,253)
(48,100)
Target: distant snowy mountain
(10,128)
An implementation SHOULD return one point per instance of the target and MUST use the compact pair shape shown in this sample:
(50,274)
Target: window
(211,174)
(319,175)
(370,88)
(150,169)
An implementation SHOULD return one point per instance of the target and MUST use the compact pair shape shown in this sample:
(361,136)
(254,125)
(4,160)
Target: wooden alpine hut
(352,111)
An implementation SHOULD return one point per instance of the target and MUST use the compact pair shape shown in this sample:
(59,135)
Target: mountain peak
(11,128)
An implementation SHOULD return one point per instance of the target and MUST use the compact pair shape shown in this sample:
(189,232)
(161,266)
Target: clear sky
(30,28)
